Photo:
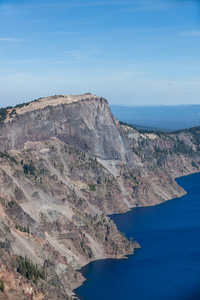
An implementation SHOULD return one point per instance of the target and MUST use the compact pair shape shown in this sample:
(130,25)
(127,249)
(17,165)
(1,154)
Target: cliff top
(53,101)
(9,112)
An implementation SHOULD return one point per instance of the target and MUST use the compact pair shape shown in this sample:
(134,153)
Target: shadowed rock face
(87,124)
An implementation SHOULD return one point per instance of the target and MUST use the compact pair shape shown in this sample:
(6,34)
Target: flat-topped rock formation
(54,101)
(84,121)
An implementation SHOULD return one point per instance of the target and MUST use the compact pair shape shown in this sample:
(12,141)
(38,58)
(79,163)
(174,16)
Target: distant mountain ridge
(161,117)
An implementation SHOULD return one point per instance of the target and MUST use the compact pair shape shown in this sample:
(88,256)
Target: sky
(137,52)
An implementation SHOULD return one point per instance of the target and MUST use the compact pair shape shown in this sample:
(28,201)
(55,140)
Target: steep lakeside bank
(65,164)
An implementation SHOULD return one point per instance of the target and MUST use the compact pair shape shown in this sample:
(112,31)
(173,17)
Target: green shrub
(193,163)
(6,155)
(29,168)
(29,270)
(92,187)
(2,285)
(3,114)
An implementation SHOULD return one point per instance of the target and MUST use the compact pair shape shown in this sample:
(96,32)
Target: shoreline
(75,296)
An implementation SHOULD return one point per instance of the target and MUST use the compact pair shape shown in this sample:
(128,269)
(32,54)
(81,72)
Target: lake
(168,264)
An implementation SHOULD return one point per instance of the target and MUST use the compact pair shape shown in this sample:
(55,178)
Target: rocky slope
(65,163)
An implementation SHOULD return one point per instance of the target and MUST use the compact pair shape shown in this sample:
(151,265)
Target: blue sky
(130,52)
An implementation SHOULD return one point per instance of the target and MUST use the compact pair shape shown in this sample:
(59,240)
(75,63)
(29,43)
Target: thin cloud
(79,55)
(76,54)
(65,33)
(25,61)
(156,5)
(82,39)
(7,39)
(131,30)
(87,4)
(105,3)
(191,33)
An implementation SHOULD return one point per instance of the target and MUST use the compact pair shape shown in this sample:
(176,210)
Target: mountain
(83,121)
(65,164)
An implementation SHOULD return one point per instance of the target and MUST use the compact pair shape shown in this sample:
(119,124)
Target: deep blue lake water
(168,264)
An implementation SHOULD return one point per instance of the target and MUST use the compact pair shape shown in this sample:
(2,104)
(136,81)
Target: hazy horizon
(159,117)
(153,105)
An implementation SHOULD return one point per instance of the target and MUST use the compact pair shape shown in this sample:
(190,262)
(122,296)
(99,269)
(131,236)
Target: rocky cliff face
(66,162)
(85,122)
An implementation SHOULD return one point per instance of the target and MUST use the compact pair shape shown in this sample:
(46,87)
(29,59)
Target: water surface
(168,264)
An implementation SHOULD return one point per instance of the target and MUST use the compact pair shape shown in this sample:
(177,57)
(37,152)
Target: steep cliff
(84,121)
